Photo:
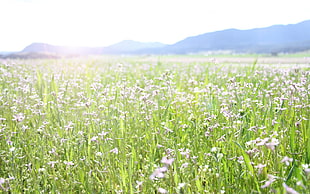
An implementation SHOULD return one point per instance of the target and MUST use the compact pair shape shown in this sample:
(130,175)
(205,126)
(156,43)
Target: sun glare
(100,23)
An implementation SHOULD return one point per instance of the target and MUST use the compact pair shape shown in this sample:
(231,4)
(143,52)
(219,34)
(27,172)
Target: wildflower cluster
(139,125)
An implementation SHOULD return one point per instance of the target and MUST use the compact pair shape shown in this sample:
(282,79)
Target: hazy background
(101,22)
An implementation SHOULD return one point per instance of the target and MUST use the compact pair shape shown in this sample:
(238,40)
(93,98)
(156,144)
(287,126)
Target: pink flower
(94,138)
(159,173)
(269,182)
(19,117)
(260,167)
(167,161)
(115,151)
(289,189)
(287,160)
(271,145)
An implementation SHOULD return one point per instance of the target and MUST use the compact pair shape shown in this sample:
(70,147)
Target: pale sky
(105,22)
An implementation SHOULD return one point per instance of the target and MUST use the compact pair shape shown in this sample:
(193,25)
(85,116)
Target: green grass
(112,125)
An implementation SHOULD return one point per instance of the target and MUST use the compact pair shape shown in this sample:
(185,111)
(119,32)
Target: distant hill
(123,47)
(6,52)
(130,46)
(68,50)
(277,38)
(32,55)
(273,39)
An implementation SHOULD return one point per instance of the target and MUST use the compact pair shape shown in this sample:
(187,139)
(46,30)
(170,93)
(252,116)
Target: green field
(155,125)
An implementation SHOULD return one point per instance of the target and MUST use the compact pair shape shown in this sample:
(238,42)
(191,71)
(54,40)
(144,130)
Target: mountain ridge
(272,39)
(244,40)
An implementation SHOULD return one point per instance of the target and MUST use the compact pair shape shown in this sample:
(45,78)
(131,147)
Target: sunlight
(101,23)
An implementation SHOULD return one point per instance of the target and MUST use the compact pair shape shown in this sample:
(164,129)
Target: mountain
(273,39)
(6,52)
(130,46)
(67,50)
(277,38)
(123,47)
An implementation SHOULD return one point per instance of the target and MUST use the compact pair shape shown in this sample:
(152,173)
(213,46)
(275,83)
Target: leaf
(246,158)
(290,172)
(248,164)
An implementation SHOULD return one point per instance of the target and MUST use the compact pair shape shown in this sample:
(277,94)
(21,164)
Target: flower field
(123,125)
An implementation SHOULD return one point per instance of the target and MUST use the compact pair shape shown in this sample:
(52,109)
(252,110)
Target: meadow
(160,125)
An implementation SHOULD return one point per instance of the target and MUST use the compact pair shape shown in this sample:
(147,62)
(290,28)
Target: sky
(97,23)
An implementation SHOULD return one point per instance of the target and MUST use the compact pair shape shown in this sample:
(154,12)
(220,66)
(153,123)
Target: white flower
(262,141)
(181,185)
(139,183)
(52,151)
(306,168)
(115,151)
(2,180)
(68,163)
(269,182)
(69,126)
(41,169)
(103,133)
(161,190)
(185,153)
(260,167)
(287,160)
(52,163)
(160,146)
(184,165)
(158,173)
(19,117)
(271,145)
